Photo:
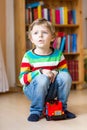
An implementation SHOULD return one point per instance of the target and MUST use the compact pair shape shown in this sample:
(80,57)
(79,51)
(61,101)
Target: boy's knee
(68,80)
(43,79)
(68,77)
(65,77)
(43,84)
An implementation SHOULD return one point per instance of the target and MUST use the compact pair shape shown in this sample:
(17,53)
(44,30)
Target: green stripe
(43,60)
(34,58)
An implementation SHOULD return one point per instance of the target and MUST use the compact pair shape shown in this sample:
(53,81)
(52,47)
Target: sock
(33,117)
(70,115)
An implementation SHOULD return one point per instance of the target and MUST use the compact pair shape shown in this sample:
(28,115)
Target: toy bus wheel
(48,118)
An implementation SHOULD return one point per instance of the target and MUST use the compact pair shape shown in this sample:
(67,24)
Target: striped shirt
(31,64)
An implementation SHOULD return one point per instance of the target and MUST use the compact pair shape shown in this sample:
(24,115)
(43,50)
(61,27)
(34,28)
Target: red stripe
(62,63)
(25,65)
(25,79)
(45,67)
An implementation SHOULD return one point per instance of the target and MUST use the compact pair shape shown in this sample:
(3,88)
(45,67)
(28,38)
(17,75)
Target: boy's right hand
(49,74)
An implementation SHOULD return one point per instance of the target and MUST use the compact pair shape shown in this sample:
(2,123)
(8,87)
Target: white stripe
(25,60)
(22,81)
(39,64)
(49,63)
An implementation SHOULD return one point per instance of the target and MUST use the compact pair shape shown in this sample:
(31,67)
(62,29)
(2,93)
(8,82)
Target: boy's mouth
(40,40)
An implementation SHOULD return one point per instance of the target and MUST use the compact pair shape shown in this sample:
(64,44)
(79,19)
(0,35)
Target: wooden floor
(14,110)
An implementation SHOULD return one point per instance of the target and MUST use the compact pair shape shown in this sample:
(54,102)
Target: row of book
(73,69)
(60,15)
(70,42)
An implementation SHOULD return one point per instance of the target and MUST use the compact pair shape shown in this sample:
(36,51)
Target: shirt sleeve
(26,75)
(62,66)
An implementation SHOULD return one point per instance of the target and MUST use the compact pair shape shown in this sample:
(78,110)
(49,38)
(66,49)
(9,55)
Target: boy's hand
(55,72)
(49,74)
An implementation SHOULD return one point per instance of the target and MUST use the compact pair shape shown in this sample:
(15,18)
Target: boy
(42,70)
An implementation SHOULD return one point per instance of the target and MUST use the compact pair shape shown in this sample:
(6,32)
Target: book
(70,20)
(65,15)
(74,16)
(74,42)
(68,43)
(62,44)
(57,16)
(39,8)
(61,34)
(50,13)
(61,9)
(71,43)
(61,48)
(53,15)
(35,4)
(57,42)
(73,69)
(35,13)
(45,13)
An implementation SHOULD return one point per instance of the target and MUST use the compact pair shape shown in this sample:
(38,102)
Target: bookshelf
(20,33)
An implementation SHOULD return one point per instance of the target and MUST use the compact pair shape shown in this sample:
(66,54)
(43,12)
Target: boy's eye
(45,32)
(35,32)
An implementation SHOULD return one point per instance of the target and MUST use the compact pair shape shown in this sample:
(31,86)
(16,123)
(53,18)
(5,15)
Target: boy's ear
(52,39)
(30,38)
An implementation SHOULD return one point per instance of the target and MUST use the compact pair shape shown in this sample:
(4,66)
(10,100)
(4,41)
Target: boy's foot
(69,115)
(33,118)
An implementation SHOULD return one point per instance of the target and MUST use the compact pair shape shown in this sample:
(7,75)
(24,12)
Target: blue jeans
(40,86)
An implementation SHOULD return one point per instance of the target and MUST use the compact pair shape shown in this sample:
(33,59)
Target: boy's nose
(40,34)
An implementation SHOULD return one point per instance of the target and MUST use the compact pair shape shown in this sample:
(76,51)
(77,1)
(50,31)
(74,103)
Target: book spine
(57,42)
(74,42)
(45,13)
(69,43)
(73,69)
(35,13)
(62,44)
(57,16)
(31,15)
(74,16)
(26,16)
(70,21)
(53,15)
(65,15)
(39,8)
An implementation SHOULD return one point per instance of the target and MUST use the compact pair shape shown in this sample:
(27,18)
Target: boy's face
(41,36)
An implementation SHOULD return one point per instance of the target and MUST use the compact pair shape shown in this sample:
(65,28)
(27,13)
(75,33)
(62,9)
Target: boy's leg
(63,83)
(36,91)
(52,92)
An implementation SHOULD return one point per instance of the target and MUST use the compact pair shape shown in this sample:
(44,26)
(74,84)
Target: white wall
(10,48)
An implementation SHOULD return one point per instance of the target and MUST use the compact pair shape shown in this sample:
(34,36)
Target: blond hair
(44,22)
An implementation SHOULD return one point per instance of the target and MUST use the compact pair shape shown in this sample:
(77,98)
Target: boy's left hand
(55,73)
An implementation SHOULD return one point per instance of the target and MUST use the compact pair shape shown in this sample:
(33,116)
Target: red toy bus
(54,111)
